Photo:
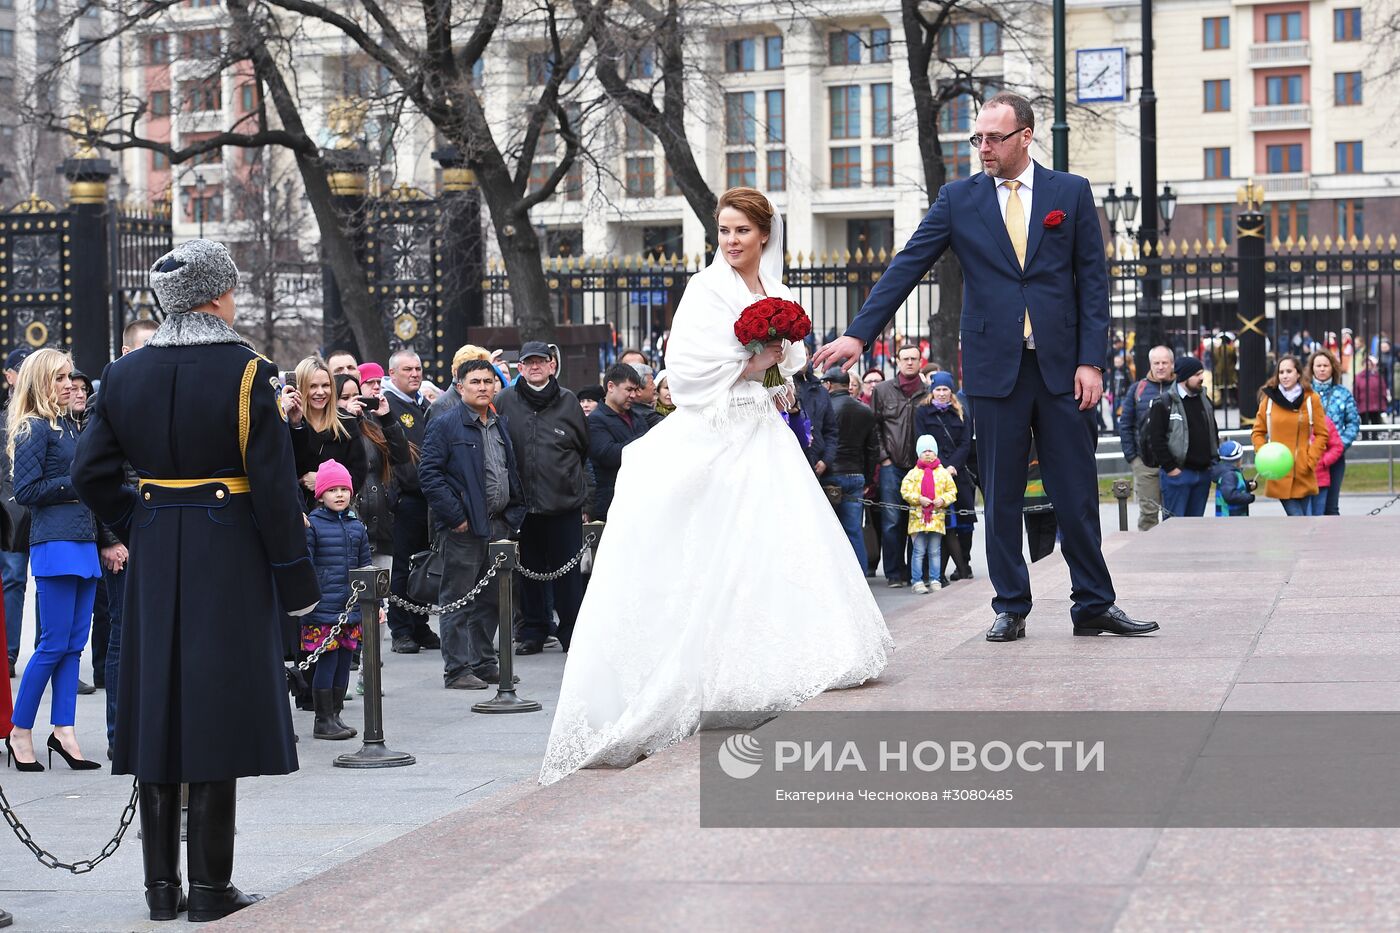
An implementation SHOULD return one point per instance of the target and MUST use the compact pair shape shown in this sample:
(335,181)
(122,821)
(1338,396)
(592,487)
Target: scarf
(910,385)
(929,487)
(541,398)
(941,406)
(1292,394)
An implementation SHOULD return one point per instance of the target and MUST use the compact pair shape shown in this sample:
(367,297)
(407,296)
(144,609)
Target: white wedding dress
(724,583)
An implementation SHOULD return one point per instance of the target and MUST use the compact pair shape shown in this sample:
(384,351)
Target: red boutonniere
(1054,218)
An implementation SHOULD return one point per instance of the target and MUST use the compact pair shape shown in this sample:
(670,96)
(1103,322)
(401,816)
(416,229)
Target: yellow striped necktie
(1016,229)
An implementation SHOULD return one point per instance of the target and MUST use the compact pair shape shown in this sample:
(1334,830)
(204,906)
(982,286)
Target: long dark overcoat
(202,692)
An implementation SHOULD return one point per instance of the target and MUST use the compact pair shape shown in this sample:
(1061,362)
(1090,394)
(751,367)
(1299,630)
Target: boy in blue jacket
(1233,493)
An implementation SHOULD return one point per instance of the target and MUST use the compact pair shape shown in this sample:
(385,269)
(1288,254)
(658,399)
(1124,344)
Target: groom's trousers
(1064,439)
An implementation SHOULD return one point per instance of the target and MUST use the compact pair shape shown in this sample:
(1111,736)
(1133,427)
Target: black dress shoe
(1113,622)
(427,638)
(960,575)
(1008,626)
(404,645)
(529,647)
(85,688)
(494,677)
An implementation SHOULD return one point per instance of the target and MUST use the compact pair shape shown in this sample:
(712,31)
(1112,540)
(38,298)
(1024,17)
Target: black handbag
(425,571)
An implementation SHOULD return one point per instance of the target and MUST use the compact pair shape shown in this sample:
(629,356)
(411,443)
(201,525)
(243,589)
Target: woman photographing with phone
(321,430)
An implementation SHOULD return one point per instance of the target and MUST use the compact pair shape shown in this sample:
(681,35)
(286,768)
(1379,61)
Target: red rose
(1054,218)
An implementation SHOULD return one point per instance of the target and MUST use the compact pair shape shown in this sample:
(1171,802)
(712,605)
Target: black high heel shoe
(77,764)
(20,765)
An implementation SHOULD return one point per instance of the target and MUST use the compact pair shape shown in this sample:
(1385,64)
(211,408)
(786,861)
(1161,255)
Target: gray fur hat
(192,274)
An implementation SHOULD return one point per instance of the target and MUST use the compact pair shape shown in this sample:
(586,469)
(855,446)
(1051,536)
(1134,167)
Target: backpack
(1149,458)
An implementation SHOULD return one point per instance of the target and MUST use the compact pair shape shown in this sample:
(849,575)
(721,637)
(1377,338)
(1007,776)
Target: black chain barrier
(491,572)
(47,859)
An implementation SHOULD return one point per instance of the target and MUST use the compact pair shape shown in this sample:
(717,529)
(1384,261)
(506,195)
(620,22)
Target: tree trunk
(520,250)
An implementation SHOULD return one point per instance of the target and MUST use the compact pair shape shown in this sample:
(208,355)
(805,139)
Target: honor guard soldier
(218,551)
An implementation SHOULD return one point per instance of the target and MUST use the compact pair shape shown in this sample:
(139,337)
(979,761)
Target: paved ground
(1262,614)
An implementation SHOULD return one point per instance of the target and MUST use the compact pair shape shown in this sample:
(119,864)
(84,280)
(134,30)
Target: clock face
(1102,74)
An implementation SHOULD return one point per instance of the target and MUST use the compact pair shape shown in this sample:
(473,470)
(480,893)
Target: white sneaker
(920,588)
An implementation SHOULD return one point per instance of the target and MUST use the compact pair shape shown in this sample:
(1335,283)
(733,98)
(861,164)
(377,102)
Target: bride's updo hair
(752,204)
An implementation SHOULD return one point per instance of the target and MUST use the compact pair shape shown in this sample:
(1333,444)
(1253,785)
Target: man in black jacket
(811,394)
(611,427)
(410,409)
(1181,429)
(857,454)
(550,436)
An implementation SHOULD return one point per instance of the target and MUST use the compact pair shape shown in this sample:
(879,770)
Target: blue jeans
(1185,494)
(849,511)
(893,525)
(14,569)
(67,601)
(1303,506)
(116,598)
(1332,503)
(928,555)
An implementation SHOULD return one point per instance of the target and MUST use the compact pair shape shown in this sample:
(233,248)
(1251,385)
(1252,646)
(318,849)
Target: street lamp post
(1149,318)
(199,186)
(1059,130)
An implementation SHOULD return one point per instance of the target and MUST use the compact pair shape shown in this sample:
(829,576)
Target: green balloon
(1274,461)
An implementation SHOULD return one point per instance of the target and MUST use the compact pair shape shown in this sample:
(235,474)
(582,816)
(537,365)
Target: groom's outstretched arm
(1090,281)
(904,272)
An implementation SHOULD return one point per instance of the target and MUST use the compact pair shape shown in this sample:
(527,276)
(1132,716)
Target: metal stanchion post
(505,700)
(5,918)
(373,753)
(1121,490)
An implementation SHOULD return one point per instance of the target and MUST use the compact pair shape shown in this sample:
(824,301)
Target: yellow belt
(234,484)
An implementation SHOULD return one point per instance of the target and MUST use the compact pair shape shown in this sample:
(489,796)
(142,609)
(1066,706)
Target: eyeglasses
(996,140)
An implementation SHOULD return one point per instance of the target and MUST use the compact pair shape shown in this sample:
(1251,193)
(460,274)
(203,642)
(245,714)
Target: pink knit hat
(330,475)
(370,372)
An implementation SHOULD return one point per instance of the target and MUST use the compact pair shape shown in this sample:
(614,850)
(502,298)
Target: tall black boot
(160,849)
(953,547)
(338,696)
(213,806)
(326,725)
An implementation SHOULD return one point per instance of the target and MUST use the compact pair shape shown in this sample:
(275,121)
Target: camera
(289,379)
(369,401)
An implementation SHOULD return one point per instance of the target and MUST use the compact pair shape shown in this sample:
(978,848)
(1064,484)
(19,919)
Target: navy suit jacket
(1064,283)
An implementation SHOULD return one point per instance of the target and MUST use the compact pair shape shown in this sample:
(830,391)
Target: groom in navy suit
(1034,340)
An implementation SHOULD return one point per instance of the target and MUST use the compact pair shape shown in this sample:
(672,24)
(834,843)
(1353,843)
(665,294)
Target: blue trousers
(849,511)
(116,599)
(1185,494)
(894,524)
(333,670)
(928,557)
(1296,507)
(67,605)
(1332,505)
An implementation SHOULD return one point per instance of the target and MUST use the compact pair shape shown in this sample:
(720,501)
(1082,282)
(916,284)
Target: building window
(7,5)
(539,175)
(1348,88)
(248,97)
(637,135)
(90,57)
(205,44)
(777,170)
(641,178)
(773,53)
(1283,159)
(202,96)
(641,63)
(739,55)
(1351,219)
(739,118)
(1286,220)
(210,207)
(670,186)
(1283,89)
(1217,96)
(991,37)
(955,40)
(46,48)
(843,48)
(160,103)
(1220,223)
(774,104)
(741,169)
(1283,27)
(1349,158)
(955,116)
(539,68)
(90,95)
(1216,31)
(1346,24)
(957,162)
(882,166)
(845,167)
(45,6)
(1217,163)
(7,43)
(159,161)
(880,121)
(845,112)
(879,45)
(573,182)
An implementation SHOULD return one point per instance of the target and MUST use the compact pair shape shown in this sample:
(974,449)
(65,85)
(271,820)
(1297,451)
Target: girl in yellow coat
(930,489)
(1291,413)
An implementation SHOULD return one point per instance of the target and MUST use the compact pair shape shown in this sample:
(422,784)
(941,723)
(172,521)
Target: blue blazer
(1064,283)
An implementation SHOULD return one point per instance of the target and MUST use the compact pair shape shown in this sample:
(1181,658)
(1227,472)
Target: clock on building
(1102,75)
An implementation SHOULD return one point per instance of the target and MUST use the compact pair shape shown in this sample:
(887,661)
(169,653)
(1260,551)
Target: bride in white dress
(760,606)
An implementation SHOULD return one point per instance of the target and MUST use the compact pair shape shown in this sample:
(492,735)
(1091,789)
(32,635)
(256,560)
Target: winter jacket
(1232,495)
(954,437)
(1330,455)
(375,507)
(1299,426)
(911,489)
(338,543)
(452,470)
(43,459)
(413,421)
(608,434)
(1340,406)
(1132,421)
(311,448)
(894,422)
(1169,433)
(857,447)
(816,405)
(551,446)
(1370,392)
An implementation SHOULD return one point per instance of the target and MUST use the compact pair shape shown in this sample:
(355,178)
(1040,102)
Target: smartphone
(369,401)
(289,378)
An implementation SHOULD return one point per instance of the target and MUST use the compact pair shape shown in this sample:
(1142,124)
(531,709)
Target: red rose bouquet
(771,319)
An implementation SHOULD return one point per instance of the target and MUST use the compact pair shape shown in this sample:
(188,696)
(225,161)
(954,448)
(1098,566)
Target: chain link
(573,561)
(47,859)
(356,589)
(900,507)
(1381,508)
(455,604)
